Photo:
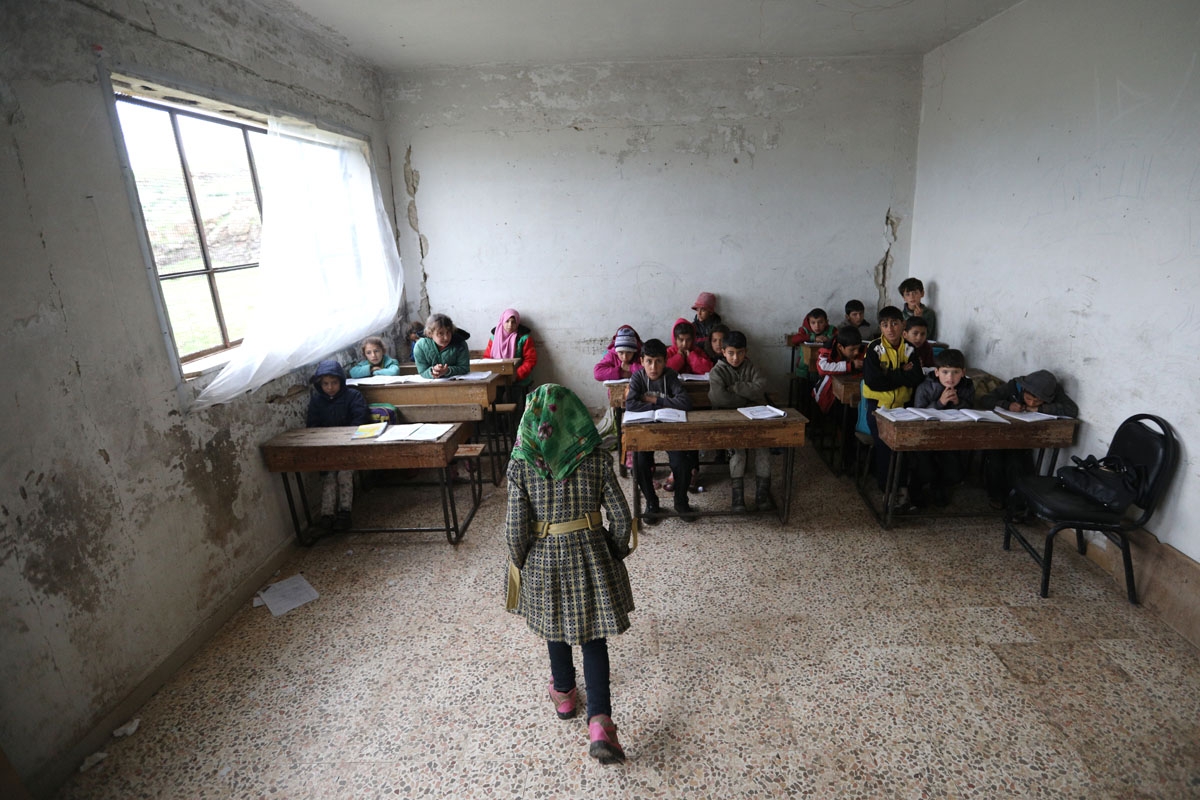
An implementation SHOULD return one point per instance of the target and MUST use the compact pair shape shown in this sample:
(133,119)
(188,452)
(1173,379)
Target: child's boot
(564,702)
(603,734)
(739,496)
(762,494)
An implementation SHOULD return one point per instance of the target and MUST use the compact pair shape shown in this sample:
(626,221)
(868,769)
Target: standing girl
(566,576)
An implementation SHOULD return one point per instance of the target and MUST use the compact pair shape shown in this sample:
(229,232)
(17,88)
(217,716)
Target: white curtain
(330,275)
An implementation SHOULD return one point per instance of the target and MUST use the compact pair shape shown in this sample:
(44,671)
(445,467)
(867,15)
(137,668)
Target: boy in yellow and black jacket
(890,373)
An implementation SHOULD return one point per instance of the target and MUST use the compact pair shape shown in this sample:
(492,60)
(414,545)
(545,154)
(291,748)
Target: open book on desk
(388,380)
(657,415)
(415,432)
(1026,416)
(369,430)
(761,412)
(939,415)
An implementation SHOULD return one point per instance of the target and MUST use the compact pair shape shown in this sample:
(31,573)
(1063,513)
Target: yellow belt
(589,521)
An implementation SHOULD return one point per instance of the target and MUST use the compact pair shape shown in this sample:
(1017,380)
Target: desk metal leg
(895,463)
(789,474)
(621,469)
(449,510)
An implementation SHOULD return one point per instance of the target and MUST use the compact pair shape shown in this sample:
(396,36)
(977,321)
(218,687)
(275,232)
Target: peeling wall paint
(1057,216)
(125,523)
(594,195)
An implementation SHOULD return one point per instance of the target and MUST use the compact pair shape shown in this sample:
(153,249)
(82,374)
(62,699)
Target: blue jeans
(595,673)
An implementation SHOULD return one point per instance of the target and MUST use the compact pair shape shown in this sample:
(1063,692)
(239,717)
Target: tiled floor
(826,659)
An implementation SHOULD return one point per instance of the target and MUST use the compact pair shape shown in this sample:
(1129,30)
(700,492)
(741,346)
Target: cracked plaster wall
(124,523)
(596,195)
(1058,213)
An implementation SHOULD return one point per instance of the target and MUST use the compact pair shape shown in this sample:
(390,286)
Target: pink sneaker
(564,702)
(604,747)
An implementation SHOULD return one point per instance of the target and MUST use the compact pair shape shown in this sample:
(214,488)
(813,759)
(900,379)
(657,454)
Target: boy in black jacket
(657,386)
(333,404)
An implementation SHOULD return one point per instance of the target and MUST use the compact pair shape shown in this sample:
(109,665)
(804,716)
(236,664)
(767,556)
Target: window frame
(208,271)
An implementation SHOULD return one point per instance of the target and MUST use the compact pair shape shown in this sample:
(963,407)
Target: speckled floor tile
(823,658)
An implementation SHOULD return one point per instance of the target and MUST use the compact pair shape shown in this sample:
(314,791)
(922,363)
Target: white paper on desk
(984,416)
(378,380)
(940,414)
(473,376)
(287,594)
(691,376)
(1024,416)
(899,414)
(616,381)
(761,412)
(415,432)
(428,431)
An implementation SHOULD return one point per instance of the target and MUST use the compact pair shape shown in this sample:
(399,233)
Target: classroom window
(199,195)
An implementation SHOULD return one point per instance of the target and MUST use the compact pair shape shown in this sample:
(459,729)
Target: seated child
(332,404)
(1037,391)
(815,328)
(913,291)
(706,317)
(412,334)
(856,317)
(916,333)
(684,356)
(511,339)
(890,373)
(658,386)
(375,361)
(716,342)
(736,383)
(442,353)
(622,358)
(841,357)
(946,387)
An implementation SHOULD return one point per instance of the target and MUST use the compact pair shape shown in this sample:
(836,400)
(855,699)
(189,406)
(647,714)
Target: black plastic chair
(1155,451)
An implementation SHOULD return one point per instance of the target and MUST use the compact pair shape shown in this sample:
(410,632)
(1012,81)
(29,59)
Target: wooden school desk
(696,390)
(504,367)
(432,393)
(847,390)
(328,449)
(904,437)
(721,429)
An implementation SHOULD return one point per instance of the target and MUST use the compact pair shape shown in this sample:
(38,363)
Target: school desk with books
(722,429)
(696,387)
(401,446)
(907,430)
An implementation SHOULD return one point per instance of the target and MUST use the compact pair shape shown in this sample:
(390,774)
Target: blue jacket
(347,407)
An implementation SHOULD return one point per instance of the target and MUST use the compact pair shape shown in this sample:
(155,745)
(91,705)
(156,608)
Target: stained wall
(594,195)
(125,522)
(1057,212)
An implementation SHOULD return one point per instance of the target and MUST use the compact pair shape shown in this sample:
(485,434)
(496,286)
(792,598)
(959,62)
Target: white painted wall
(591,196)
(124,523)
(1057,213)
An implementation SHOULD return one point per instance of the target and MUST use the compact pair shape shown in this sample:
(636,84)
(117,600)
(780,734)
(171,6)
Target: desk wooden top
(928,435)
(433,393)
(500,366)
(697,390)
(716,428)
(848,388)
(314,449)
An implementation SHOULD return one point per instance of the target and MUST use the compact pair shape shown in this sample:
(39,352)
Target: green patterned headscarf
(556,432)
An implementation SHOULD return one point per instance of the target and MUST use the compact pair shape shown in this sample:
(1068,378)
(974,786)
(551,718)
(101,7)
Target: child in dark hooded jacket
(333,404)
